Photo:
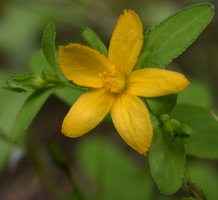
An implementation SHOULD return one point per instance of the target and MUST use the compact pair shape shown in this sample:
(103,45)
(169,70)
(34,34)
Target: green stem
(75,87)
(62,163)
(38,155)
(194,189)
(79,195)
(63,84)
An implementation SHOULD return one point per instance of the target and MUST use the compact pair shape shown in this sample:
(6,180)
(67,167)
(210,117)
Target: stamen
(117,84)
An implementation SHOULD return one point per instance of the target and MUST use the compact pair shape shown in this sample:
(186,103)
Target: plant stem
(74,185)
(194,189)
(62,163)
(38,155)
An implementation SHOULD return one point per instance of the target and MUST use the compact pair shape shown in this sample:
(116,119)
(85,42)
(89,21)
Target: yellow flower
(115,86)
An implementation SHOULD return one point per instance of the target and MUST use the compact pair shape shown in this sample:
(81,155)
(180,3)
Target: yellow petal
(126,42)
(132,121)
(82,65)
(87,112)
(152,82)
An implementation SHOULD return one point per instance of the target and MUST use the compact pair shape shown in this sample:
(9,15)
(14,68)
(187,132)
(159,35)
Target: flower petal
(132,121)
(87,112)
(152,82)
(126,42)
(82,65)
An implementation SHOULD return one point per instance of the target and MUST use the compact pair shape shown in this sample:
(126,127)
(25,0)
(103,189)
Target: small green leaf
(48,45)
(188,198)
(161,105)
(177,129)
(31,83)
(203,141)
(24,83)
(167,162)
(94,41)
(171,37)
(28,111)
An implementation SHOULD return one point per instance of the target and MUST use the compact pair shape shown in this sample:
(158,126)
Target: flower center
(114,81)
(116,84)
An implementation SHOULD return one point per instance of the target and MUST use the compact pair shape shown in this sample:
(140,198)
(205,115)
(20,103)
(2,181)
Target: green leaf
(28,111)
(112,171)
(203,141)
(48,45)
(94,41)
(167,162)
(172,36)
(161,105)
(142,58)
(201,92)
(188,198)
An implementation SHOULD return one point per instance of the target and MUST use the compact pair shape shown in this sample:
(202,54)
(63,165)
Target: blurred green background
(26,169)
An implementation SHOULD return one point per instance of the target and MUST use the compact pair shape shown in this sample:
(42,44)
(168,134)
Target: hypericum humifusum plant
(129,81)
